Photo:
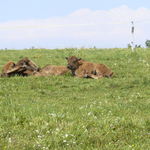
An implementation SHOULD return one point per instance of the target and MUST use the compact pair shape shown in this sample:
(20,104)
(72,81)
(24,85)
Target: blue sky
(44,13)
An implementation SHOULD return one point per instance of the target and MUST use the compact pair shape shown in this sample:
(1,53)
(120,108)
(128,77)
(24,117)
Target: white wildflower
(37,131)
(129,60)
(86,130)
(57,129)
(53,114)
(81,107)
(144,61)
(130,146)
(9,140)
(89,113)
(66,135)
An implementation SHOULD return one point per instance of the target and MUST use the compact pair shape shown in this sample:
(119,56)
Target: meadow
(62,112)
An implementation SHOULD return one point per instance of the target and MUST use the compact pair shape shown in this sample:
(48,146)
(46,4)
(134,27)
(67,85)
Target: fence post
(132,31)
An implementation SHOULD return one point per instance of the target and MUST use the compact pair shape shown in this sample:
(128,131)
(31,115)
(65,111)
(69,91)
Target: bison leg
(80,76)
(95,76)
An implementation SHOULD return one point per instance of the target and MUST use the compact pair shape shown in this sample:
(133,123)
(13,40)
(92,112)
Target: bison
(51,70)
(83,69)
(24,67)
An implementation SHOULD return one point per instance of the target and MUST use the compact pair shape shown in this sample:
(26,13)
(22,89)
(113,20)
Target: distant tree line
(147,43)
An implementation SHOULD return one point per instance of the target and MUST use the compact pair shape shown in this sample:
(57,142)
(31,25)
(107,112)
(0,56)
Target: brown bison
(24,67)
(51,70)
(83,69)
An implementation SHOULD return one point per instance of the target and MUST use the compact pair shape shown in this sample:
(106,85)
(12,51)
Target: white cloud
(110,28)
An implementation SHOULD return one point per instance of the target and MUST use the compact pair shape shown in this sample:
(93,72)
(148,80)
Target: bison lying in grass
(51,70)
(83,69)
(24,67)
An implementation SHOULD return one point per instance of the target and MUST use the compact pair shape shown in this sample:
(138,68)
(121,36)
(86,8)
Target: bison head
(28,67)
(73,62)
(27,64)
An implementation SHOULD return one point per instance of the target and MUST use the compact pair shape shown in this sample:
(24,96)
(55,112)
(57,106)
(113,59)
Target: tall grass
(76,113)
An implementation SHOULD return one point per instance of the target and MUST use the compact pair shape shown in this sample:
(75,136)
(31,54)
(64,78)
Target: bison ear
(13,65)
(66,58)
(25,59)
(38,69)
(27,62)
(79,59)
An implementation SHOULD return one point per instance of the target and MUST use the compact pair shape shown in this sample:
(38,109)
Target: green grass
(76,113)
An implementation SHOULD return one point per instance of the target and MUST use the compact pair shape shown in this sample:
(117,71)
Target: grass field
(63,112)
